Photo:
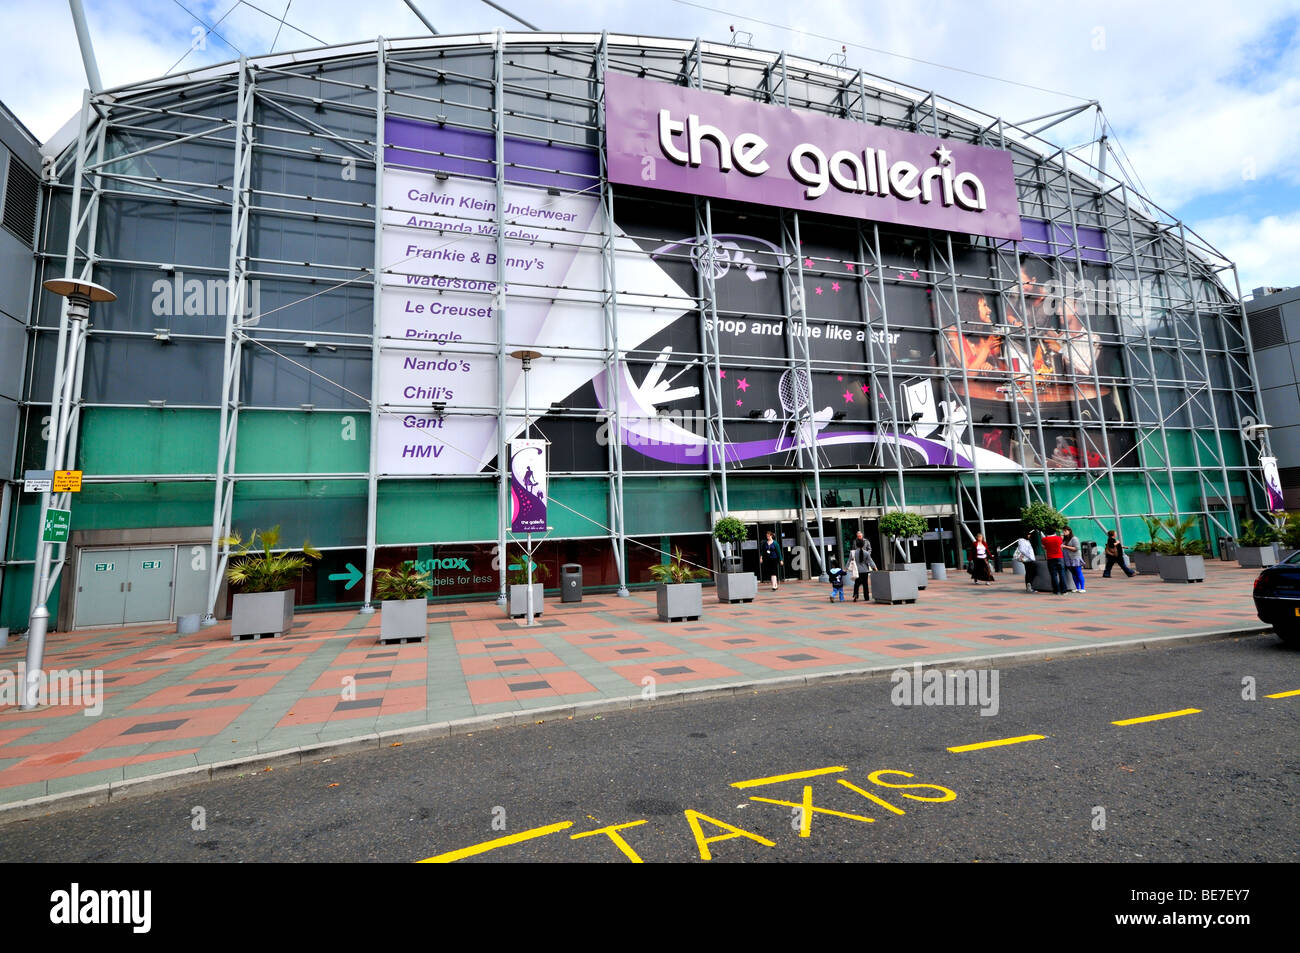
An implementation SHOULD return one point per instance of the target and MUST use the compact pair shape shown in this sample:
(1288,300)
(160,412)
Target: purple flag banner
(1272,484)
(528,486)
(678,139)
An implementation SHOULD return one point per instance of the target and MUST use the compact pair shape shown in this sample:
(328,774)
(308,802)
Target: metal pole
(87,47)
(503,465)
(372,478)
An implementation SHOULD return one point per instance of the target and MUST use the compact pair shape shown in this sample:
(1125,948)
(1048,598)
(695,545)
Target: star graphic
(943,154)
(722,374)
(817,290)
(742,384)
(901,275)
(807,262)
(848,265)
(835,286)
(916,274)
(839,377)
(865,388)
(740,403)
(848,397)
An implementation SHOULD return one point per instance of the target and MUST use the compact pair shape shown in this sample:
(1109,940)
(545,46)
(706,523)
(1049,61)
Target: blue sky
(1204,99)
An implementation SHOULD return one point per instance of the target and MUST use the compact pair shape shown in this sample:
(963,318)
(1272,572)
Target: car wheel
(1289,636)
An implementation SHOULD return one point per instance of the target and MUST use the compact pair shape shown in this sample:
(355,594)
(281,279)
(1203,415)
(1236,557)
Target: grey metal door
(149,584)
(101,587)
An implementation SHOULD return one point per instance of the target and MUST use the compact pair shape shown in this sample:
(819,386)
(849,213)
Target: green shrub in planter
(1042,519)
(730,530)
(404,582)
(256,569)
(1255,535)
(904,525)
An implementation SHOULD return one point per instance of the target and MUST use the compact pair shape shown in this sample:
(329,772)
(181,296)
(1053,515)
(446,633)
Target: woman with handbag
(1024,555)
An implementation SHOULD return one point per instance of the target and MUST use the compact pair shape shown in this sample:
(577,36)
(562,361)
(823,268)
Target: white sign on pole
(38,481)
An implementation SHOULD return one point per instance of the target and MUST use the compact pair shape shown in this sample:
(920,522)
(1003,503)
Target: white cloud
(1266,251)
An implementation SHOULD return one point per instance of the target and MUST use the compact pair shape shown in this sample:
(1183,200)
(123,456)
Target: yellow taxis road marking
(797,775)
(1284,694)
(957,749)
(613,833)
(807,809)
(486,846)
(1159,717)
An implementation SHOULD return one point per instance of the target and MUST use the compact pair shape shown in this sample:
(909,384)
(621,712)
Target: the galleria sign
(685,140)
(868,171)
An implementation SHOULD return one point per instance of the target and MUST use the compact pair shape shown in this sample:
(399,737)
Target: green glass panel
(148,440)
(281,441)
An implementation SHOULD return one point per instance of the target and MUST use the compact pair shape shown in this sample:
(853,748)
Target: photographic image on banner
(1272,484)
(528,486)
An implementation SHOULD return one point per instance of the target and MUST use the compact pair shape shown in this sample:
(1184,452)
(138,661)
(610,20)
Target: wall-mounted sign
(151,564)
(67,481)
(104,567)
(683,140)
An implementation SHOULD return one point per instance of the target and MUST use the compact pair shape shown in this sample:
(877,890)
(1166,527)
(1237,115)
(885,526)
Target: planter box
(919,570)
(403,620)
(893,587)
(1255,557)
(1182,568)
(681,601)
(737,586)
(261,615)
(1145,563)
(519,600)
(1043,577)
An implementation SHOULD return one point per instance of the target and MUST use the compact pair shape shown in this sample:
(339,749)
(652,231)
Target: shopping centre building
(754,284)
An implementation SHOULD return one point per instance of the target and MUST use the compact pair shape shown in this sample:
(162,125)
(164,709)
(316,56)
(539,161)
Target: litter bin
(1227,549)
(571,582)
(1088,553)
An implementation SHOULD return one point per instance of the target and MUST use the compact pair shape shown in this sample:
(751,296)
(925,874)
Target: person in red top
(1055,561)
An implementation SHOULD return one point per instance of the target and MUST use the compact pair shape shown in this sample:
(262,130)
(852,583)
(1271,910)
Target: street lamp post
(79,295)
(526,357)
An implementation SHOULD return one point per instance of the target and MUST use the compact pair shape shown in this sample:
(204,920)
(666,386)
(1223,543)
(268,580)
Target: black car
(1277,598)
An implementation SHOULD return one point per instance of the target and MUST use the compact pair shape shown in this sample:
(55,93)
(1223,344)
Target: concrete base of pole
(35,658)
(367,609)
(208,621)
(623,593)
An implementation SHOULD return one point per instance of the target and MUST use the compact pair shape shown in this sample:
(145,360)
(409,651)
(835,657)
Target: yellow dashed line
(996,744)
(1284,694)
(756,782)
(1159,717)
(486,846)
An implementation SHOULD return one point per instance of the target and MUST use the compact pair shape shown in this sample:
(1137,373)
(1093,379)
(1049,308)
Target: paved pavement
(201,705)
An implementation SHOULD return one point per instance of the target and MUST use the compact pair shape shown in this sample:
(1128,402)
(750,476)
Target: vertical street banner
(527,486)
(1272,484)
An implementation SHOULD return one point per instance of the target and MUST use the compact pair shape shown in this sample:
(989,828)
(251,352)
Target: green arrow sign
(353,575)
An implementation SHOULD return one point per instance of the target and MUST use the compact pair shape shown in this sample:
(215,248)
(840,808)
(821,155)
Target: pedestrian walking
(1052,549)
(1115,556)
(1072,560)
(862,564)
(979,562)
(836,575)
(771,558)
(1024,554)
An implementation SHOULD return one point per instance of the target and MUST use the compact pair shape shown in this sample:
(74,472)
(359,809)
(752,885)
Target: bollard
(187,624)
(938,571)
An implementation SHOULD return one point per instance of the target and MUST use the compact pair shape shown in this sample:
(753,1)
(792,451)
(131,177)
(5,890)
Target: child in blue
(837,580)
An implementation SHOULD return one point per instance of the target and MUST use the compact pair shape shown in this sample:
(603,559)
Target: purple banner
(528,486)
(423,145)
(683,140)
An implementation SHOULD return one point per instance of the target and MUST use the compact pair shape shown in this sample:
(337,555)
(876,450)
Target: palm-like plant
(404,582)
(1179,544)
(257,569)
(676,571)
(1154,525)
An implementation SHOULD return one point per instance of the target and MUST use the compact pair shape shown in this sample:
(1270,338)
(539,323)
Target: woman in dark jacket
(770,554)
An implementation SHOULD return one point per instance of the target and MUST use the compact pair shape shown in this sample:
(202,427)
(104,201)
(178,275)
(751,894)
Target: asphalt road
(1222,784)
